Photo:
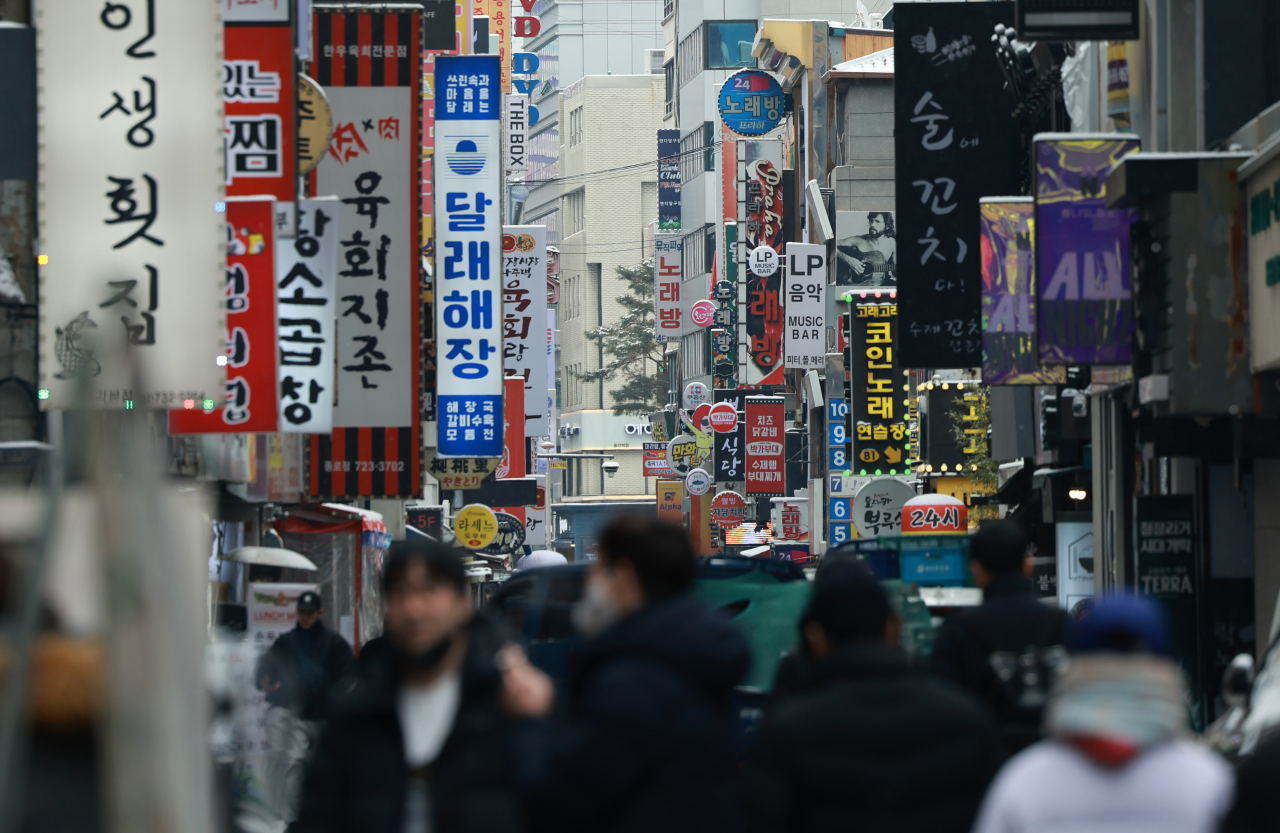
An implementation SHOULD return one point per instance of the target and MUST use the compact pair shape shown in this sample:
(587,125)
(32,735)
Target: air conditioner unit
(655,57)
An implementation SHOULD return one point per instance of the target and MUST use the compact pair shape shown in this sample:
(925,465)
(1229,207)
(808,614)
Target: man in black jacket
(868,743)
(1007,650)
(422,744)
(646,741)
(301,667)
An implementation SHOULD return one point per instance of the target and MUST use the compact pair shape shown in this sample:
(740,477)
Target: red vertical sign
(250,404)
(258,81)
(513,442)
(766,460)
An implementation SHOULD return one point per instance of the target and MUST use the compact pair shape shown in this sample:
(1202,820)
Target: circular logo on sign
(698,482)
(684,454)
(475,526)
(695,393)
(763,261)
(877,508)
(723,417)
(725,290)
(517,243)
(510,536)
(751,102)
(700,418)
(729,509)
(703,313)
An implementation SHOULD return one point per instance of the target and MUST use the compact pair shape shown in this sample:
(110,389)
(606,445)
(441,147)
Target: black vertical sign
(730,448)
(955,140)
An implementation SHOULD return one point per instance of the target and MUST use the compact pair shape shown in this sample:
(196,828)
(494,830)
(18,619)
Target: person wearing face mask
(645,738)
(422,743)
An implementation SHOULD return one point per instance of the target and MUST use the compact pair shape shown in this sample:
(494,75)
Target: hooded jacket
(869,744)
(647,742)
(359,779)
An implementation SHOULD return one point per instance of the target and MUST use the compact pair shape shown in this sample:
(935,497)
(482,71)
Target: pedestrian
(868,742)
(1007,650)
(1117,756)
(645,740)
(298,674)
(422,743)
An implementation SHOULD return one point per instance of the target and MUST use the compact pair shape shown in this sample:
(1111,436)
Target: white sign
(273,610)
(370,167)
(697,482)
(515,144)
(306,268)
(804,290)
(763,261)
(524,315)
(667,276)
(1075,563)
(877,508)
(468,273)
(695,394)
(130,137)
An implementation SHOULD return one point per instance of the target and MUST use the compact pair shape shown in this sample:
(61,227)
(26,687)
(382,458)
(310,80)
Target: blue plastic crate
(934,567)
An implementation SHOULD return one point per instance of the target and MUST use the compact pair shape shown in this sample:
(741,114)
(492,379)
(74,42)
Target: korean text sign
(670,500)
(306,279)
(1082,249)
(751,102)
(250,403)
(877,400)
(130,137)
(469,307)
(805,304)
(668,179)
(730,447)
(953,145)
(668,313)
(524,319)
(258,93)
(766,460)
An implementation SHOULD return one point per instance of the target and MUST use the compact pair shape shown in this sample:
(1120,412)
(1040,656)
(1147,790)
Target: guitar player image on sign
(866,249)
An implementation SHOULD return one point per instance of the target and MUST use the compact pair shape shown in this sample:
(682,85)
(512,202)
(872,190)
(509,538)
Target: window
(699,247)
(575,212)
(691,162)
(689,56)
(729,43)
(544,155)
(669,72)
(668,8)
(696,350)
(552,221)
(575,126)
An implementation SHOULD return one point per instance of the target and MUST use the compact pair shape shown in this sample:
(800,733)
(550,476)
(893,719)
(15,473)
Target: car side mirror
(1237,680)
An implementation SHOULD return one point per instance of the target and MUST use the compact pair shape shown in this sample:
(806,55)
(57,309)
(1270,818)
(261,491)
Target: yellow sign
(671,501)
(315,124)
(475,526)
(558,464)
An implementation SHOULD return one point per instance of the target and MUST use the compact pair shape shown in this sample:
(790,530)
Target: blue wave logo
(468,157)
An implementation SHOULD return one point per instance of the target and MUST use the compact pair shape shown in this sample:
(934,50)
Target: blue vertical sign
(468,291)
(837,435)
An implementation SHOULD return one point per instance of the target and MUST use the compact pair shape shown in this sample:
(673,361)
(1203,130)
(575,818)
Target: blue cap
(1123,624)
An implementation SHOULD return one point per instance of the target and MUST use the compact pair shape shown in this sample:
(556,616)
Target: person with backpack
(1009,649)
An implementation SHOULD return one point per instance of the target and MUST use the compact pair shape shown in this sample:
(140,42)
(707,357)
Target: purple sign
(1082,247)
(668,180)
(1009,354)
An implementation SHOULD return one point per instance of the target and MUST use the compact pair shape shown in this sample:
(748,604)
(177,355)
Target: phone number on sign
(363,465)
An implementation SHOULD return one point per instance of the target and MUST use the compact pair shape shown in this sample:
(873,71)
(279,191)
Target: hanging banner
(668,179)
(952,147)
(1082,251)
(670,499)
(367,62)
(765,458)
(1165,567)
(524,313)
(513,444)
(249,405)
(763,200)
(1009,352)
(500,20)
(877,398)
(306,269)
(515,139)
(668,314)
(258,83)
(468,293)
(805,298)
(131,249)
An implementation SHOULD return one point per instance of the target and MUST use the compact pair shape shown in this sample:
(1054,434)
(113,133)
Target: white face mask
(596,612)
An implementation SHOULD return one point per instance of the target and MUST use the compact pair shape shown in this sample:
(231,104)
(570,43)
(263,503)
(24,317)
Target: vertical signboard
(761,217)
(258,82)
(729,448)
(765,458)
(668,179)
(1165,567)
(130,149)
(805,299)
(952,147)
(513,443)
(249,404)
(468,294)
(1082,251)
(670,500)
(668,316)
(1009,352)
(524,315)
(368,64)
(515,140)
(877,395)
(306,280)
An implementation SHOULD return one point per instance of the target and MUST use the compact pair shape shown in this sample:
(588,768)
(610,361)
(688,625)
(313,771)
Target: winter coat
(1255,809)
(647,743)
(871,745)
(1175,787)
(359,778)
(308,663)
(1011,618)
